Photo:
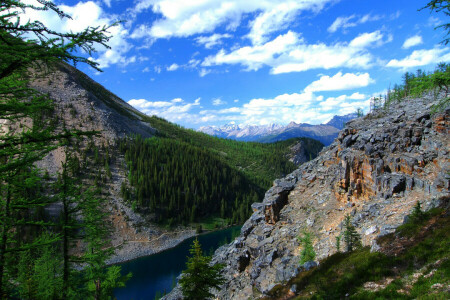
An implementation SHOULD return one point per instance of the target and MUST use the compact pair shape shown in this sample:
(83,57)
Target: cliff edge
(376,170)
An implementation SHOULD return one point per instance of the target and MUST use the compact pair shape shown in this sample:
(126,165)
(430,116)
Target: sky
(214,62)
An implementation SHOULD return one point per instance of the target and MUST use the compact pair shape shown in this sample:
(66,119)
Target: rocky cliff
(376,170)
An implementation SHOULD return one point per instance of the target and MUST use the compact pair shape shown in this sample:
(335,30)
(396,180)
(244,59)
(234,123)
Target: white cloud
(157,69)
(173,67)
(175,110)
(366,39)
(203,72)
(340,82)
(278,17)
(212,40)
(218,101)
(83,15)
(341,22)
(180,18)
(351,21)
(421,58)
(290,53)
(412,41)
(146,70)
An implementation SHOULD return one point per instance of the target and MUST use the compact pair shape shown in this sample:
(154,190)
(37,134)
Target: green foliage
(351,237)
(31,44)
(338,243)
(183,176)
(441,6)
(417,214)
(415,84)
(359,112)
(39,273)
(200,277)
(260,162)
(27,235)
(307,253)
(343,275)
(103,288)
(176,181)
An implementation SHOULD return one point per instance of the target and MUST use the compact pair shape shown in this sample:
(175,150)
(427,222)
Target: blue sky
(211,62)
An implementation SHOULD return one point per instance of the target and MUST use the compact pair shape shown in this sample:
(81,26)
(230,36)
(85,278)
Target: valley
(134,163)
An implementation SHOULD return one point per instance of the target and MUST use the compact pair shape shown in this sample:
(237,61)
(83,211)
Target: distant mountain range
(324,133)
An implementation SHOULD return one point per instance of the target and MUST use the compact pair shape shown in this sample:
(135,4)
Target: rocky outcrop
(376,170)
(298,153)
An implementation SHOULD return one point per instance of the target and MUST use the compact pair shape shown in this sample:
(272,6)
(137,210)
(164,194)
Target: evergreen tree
(351,237)
(441,6)
(200,277)
(307,253)
(29,50)
(83,221)
(338,243)
(417,214)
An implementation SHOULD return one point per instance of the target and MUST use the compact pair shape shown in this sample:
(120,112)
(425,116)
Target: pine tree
(307,253)
(200,277)
(351,237)
(417,214)
(338,243)
(441,6)
(27,50)
(83,221)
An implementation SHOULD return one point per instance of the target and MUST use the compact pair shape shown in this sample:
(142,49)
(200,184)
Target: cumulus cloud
(173,67)
(180,18)
(340,82)
(304,107)
(412,41)
(212,40)
(203,72)
(345,104)
(421,58)
(278,17)
(175,110)
(290,53)
(351,21)
(218,101)
(83,15)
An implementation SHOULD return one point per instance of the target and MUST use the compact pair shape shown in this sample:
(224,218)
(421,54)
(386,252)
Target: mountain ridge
(325,133)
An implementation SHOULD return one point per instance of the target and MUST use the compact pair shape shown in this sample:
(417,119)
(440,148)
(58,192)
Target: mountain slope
(81,103)
(339,121)
(325,133)
(376,171)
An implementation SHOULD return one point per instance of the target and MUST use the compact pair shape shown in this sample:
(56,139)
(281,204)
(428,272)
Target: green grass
(345,273)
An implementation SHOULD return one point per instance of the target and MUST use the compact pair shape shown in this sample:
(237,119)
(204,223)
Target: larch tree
(28,50)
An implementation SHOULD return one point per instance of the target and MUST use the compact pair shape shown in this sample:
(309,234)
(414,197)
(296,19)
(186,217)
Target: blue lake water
(157,273)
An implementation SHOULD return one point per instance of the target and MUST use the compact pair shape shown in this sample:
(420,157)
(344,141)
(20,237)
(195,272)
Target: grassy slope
(414,264)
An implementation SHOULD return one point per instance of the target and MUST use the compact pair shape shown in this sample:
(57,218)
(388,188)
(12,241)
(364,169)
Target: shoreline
(131,250)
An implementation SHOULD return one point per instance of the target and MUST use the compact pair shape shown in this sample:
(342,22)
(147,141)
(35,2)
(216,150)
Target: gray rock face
(376,170)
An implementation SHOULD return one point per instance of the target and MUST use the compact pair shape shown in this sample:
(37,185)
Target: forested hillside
(183,175)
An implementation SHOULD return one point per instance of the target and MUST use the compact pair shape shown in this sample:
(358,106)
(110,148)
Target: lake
(157,273)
